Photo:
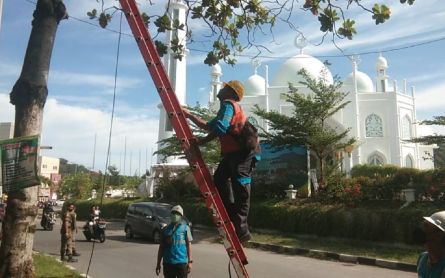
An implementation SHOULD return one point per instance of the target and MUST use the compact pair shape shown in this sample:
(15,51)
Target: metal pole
(1,13)
(139,166)
(125,154)
(94,150)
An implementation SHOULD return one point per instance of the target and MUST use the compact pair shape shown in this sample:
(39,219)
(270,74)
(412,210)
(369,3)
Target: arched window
(409,162)
(406,128)
(374,126)
(376,159)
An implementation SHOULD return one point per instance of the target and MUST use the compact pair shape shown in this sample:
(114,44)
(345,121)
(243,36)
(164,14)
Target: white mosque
(381,115)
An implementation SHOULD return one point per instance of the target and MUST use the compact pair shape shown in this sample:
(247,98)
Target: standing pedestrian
(233,175)
(74,219)
(66,233)
(175,249)
(431,264)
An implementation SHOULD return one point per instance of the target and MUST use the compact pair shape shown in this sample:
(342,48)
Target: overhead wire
(110,132)
(412,45)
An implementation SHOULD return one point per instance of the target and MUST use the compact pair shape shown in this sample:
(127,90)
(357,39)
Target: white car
(60,202)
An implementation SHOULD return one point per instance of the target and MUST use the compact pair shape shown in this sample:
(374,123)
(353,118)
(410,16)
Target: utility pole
(125,154)
(131,158)
(94,150)
(1,13)
(139,167)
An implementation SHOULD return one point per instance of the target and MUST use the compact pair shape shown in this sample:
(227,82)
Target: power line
(280,57)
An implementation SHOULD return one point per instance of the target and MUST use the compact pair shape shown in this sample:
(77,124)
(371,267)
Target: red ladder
(183,132)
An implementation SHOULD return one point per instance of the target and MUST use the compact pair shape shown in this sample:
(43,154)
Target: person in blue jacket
(175,249)
(431,264)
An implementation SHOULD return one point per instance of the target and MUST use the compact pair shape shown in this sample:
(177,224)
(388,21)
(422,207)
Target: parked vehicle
(95,230)
(146,219)
(60,202)
(48,220)
(2,211)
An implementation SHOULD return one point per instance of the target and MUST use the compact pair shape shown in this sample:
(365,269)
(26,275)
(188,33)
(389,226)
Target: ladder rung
(170,101)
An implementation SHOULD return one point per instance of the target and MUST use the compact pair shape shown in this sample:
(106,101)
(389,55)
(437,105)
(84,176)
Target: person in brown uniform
(66,233)
(74,229)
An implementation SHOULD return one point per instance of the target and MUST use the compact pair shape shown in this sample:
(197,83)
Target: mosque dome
(216,69)
(364,82)
(255,85)
(381,63)
(288,71)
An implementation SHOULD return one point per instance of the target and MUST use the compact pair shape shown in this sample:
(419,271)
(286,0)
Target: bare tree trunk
(29,96)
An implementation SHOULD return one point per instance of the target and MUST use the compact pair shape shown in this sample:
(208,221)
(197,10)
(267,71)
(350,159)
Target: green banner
(18,158)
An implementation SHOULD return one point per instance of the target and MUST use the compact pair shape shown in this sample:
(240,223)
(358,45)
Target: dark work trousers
(235,196)
(175,271)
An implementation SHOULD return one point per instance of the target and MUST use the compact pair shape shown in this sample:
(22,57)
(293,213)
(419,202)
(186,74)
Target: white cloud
(6,109)
(70,130)
(432,98)
(430,76)
(88,79)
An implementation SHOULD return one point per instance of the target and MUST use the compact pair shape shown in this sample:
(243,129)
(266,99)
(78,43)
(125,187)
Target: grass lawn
(406,254)
(49,267)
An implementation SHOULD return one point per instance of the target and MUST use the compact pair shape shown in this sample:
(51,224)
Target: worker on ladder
(233,175)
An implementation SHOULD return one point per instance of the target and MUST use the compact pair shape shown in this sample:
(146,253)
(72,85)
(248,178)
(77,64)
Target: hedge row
(364,223)
(110,209)
(377,222)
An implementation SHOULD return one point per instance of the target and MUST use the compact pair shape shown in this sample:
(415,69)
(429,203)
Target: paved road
(120,258)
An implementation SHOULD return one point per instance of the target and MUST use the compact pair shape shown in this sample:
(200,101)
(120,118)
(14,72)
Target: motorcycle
(48,220)
(95,230)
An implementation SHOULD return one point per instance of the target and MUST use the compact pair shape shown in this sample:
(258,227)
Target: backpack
(248,137)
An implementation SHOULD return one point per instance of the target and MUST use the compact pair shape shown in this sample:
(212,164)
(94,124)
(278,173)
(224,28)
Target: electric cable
(412,45)
(110,133)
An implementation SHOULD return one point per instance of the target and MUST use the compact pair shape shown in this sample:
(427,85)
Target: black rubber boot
(71,259)
(62,257)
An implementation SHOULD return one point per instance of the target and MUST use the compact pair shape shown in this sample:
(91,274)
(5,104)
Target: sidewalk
(322,254)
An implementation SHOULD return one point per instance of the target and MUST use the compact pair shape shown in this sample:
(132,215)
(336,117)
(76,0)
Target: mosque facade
(381,116)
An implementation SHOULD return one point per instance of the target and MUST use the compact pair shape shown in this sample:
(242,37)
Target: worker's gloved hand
(192,152)
(186,113)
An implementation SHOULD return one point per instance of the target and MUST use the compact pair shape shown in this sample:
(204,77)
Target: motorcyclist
(94,217)
(47,210)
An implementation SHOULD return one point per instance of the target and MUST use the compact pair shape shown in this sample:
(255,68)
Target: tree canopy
(234,25)
(172,146)
(308,125)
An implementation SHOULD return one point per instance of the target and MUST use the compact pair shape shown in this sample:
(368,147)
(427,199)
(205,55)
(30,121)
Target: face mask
(175,218)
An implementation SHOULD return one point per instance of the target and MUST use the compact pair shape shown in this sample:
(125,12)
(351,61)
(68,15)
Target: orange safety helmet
(237,87)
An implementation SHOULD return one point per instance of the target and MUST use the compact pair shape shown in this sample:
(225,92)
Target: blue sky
(81,76)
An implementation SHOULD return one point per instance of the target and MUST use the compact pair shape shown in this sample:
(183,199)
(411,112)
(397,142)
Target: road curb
(66,265)
(332,256)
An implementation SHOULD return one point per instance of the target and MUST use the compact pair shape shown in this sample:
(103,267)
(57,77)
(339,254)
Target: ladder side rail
(183,131)
(223,213)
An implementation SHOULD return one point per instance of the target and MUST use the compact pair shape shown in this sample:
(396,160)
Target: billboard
(18,158)
(282,167)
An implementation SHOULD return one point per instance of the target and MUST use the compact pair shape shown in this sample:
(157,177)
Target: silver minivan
(146,219)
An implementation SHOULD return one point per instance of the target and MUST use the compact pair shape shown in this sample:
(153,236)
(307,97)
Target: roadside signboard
(18,161)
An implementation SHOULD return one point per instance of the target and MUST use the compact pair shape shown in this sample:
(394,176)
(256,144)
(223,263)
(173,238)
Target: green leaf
(163,23)
(92,14)
(381,13)
(104,19)
(348,29)
(161,48)
(146,19)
